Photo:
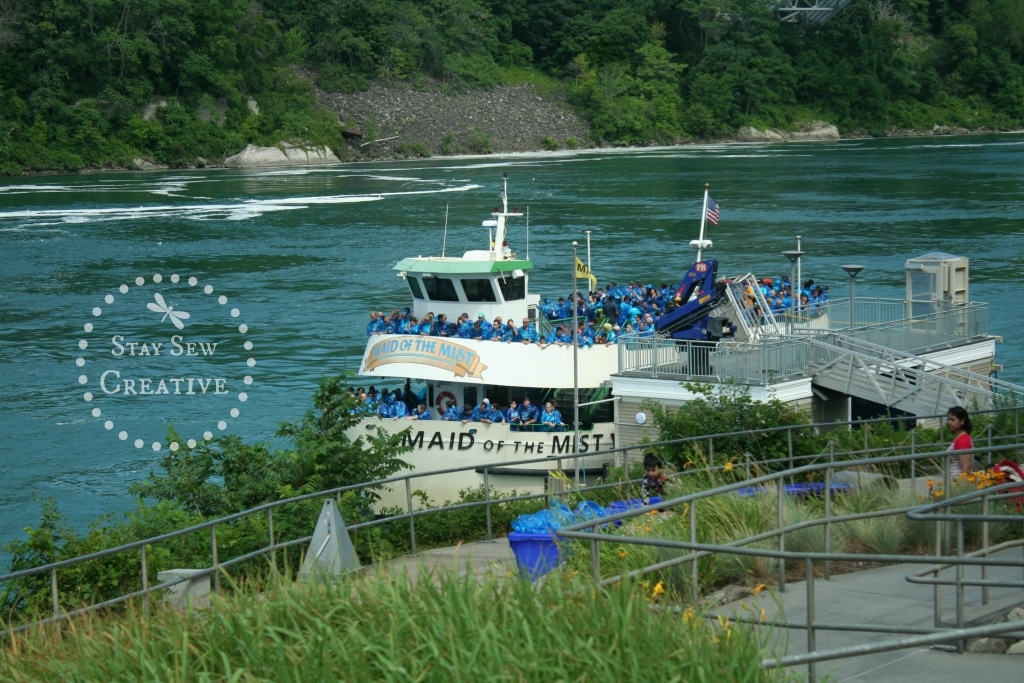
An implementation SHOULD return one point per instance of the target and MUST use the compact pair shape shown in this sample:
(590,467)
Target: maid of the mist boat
(489,283)
(494,282)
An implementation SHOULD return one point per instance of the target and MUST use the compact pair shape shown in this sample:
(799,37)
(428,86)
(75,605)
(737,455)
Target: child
(653,483)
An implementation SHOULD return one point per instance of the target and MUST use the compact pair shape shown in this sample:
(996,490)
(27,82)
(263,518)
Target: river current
(215,300)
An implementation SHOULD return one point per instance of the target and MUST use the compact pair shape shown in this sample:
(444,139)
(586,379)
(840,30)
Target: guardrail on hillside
(945,556)
(718,458)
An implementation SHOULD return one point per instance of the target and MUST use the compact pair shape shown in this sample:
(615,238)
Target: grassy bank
(365,628)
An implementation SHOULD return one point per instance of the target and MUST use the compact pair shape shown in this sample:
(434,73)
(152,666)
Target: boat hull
(439,445)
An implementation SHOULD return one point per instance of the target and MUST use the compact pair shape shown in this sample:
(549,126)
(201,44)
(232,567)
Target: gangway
(901,380)
(753,314)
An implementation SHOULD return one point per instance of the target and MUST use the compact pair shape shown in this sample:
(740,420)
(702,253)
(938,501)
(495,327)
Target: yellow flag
(583,273)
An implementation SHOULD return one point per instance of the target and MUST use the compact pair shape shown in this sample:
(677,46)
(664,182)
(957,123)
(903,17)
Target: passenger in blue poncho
(528,413)
(453,414)
(421,413)
(528,332)
(551,419)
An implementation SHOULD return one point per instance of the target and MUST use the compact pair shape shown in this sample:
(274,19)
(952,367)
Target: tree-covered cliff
(96,83)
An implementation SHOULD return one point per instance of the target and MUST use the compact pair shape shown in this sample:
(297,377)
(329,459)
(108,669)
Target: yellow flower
(622,553)
(727,467)
(659,588)
(758,588)
(764,615)
(688,614)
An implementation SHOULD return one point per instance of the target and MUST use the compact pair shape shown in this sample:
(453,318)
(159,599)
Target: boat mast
(498,248)
(702,243)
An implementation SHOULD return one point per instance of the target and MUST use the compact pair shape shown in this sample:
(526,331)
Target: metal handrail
(591,532)
(620,454)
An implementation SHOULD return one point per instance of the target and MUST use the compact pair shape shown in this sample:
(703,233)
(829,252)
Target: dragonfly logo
(158,305)
(140,381)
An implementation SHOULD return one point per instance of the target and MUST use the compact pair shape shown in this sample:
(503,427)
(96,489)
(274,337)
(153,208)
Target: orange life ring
(443,400)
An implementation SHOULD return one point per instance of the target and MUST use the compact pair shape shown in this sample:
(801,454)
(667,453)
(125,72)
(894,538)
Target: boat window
(512,288)
(478,289)
(440,289)
(414,285)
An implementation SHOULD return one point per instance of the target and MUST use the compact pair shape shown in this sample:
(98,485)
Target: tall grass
(445,628)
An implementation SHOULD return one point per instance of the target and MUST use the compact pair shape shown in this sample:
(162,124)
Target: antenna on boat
(527,233)
(444,242)
(499,250)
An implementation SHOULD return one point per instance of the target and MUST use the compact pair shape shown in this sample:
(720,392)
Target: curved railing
(825,461)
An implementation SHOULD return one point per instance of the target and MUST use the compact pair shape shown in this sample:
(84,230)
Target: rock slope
(406,122)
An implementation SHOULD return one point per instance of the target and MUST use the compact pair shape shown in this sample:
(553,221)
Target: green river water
(287,263)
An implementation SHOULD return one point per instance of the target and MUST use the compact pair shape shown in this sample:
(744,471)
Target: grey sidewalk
(482,558)
(884,596)
(874,596)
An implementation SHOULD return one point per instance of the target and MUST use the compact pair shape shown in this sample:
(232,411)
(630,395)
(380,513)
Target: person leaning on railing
(959,423)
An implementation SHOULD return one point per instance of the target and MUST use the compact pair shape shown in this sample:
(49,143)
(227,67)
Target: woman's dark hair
(961,414)
(651,460)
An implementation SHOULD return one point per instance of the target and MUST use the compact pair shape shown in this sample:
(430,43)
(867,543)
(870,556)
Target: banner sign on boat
(439,353)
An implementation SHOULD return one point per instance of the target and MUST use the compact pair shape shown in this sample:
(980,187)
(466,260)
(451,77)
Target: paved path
(884,596)
(482,558)
(875,596)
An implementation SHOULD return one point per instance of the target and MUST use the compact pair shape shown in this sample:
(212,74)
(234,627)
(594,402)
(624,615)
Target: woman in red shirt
(959,423)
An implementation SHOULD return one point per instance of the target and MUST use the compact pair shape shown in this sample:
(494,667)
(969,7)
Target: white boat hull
(440,445)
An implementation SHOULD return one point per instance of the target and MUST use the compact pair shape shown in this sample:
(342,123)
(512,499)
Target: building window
(414,285)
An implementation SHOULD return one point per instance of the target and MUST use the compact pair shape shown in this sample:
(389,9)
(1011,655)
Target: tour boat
(486,284)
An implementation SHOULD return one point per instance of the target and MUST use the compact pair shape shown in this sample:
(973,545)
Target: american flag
(712,211)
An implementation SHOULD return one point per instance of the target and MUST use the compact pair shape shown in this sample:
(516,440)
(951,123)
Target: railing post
(960,580)
(694,570)
(145,581)
(216,562)
(811,635)
(781,523)
(487,497)
(789,445)
(412,519)
(270,528)
(937,588)
(55,600)
(988,455)
(984,546)
(711,452)
(913,461)
(828,522)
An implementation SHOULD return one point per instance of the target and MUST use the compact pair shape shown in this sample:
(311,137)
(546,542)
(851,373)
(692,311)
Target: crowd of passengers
(407,405)
(603,315)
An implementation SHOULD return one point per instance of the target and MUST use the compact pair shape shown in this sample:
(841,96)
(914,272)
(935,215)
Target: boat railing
(760,363)
(916,335)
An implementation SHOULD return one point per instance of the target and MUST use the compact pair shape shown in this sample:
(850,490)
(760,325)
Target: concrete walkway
(883,596)
(875,596)
(481,558)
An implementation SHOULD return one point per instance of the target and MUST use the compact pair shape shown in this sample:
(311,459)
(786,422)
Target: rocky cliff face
(810,131)
(403,122)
